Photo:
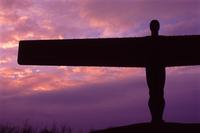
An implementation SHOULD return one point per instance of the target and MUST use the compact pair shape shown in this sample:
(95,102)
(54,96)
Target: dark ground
(154,128)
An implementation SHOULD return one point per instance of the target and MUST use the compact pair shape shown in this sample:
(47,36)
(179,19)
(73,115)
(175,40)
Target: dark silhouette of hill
(154,128)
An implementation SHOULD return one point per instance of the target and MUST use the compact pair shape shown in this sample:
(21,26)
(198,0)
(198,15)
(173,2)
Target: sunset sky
(92,97)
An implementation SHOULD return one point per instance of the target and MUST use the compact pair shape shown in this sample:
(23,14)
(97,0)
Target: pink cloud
(27,80)
(13,4)
(5,60)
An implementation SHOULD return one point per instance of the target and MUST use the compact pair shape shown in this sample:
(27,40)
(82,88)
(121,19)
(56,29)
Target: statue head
(154,27)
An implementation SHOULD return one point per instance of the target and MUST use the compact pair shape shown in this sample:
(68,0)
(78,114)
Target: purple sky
(91,97)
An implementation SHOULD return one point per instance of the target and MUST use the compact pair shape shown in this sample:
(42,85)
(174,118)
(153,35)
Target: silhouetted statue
(155,74)
(153,52)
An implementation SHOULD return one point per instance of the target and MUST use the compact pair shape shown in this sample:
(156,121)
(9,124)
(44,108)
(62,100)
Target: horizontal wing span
(112,52)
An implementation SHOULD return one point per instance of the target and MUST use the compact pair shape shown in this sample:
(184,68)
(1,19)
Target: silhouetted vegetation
(29,129)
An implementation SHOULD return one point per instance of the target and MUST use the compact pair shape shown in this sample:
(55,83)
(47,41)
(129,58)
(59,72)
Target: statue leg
(156,81)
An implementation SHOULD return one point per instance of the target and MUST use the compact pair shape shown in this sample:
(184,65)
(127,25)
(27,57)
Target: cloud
(118,17)
(5,60)
(82,95)
(31,80)
(40,20)
(183,27)
(13,4)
